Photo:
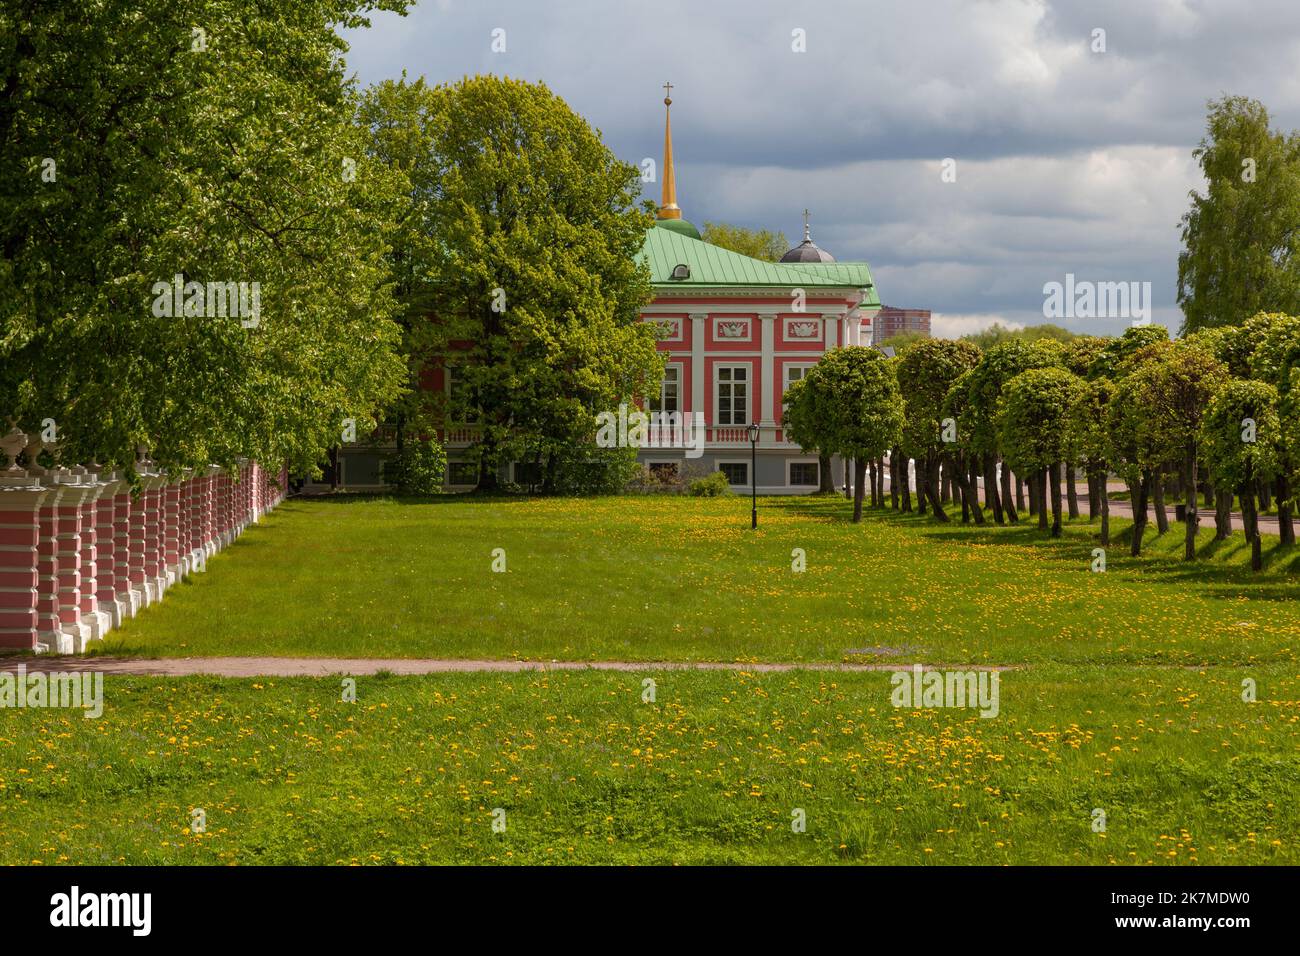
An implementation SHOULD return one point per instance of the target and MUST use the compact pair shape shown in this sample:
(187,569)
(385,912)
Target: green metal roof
(714,266)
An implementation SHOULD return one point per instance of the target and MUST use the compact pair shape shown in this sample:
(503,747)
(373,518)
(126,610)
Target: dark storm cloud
(1068,160)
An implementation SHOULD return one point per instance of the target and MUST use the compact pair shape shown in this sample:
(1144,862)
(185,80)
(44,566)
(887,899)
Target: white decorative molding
(797,330)
(728,329)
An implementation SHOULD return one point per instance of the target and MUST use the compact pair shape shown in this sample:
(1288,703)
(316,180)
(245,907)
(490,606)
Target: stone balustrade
(80,552)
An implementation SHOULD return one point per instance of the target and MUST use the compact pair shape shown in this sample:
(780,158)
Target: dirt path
(325,666)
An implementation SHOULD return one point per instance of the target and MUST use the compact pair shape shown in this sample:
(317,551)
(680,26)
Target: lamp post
(753,431)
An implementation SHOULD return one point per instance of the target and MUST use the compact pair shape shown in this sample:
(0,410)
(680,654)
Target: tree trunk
(893,479)
(1193,519)
(549,474)
(826,481)
(972,479)
(1033,493)
(991,496)
(1250,518)
(1162,518)
(1040,494)
(1071,493)
(932,487)
(1285,524)
(848,492)
(1095,481)
(1140,512)
(880,479)
(905,476)
(1209,495)
(1105,514)
(1056,499)
(859,487)
(1222,515)
(1008,501)
(1020,496)
(1265,496)
(871,478)
(918,477)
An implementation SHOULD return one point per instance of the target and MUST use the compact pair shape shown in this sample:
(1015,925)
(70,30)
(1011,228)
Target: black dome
(807,251)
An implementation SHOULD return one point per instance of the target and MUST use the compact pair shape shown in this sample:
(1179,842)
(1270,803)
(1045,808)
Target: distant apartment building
(889,321)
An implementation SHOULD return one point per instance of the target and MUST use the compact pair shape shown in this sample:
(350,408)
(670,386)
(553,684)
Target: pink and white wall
(79,553)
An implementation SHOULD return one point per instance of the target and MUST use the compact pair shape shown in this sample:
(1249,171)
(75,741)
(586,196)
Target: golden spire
(668,209)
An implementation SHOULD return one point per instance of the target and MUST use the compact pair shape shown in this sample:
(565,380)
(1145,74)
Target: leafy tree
(997,333)
(146,140)
(926,372)
(1120,355)
(807,427)
(755,243)
(977,420)
(902,341)
(1031,422)
(1275,359)
(1089,441)
(859,408)
(1175,389)
(1241,438)
(1241,237)
(535,265)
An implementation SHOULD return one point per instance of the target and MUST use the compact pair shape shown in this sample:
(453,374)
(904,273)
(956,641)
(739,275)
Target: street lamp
(753,431)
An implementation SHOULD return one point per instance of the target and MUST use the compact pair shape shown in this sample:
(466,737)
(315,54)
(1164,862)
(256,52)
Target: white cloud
(948,326)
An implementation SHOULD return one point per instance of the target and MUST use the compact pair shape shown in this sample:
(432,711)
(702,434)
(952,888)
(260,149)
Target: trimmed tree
(1241,440)
(926,371)
(859,407)
(1031,421)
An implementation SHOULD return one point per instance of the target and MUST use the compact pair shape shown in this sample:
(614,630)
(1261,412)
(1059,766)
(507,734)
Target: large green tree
(145,140)
(535,265)
(1241,237)
(755,243)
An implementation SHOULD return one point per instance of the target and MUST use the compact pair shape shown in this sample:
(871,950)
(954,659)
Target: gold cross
(668,91)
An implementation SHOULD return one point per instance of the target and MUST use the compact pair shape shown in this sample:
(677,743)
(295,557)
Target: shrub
(418,469)
(711,486)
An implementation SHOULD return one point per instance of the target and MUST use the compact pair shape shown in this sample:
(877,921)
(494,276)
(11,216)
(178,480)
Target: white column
(768,389)
(699,398)
(832,331)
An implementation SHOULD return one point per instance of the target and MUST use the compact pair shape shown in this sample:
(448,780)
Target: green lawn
(710,772)
(671,578)
(1125,695)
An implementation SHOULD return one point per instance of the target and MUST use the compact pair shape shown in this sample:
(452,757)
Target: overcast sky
(1067,160)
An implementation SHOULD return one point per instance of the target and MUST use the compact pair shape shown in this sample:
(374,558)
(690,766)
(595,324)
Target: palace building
(736,331)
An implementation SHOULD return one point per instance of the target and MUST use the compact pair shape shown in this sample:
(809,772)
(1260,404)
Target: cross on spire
(668,94)
(807,234)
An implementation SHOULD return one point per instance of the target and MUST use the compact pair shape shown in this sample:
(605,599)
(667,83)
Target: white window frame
(680,368)
(785,376)
(717,396)
(719,462)
(789,482)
